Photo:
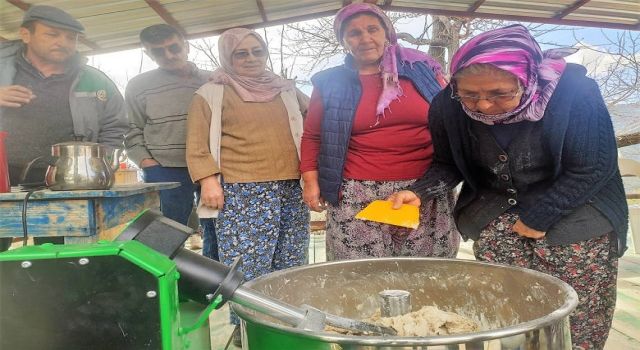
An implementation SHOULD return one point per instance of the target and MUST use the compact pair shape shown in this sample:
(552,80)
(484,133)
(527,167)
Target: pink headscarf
(392,52)
(514,50)
(264,88)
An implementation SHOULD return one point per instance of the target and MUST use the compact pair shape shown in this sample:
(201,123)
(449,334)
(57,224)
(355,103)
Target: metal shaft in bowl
(394,302)
(306,317)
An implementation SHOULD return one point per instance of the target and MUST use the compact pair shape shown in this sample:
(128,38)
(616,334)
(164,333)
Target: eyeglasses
(244,54)
(497,99)
(174,48)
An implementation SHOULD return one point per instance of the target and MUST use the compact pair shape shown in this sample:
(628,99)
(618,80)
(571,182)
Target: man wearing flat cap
(49,95)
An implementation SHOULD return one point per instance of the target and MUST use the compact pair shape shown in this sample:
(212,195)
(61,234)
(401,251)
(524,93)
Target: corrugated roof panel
(464,5)
(277,10)
(603,16)
(86,10)
(122,32)
(614,9)
(217,24)
(613,3)
(453,5)
(459,7)
(511,3)
(115,25)
(114,21)
(430,3)
(201,13)
(221,9)
(501,11)
(548,7)
(309,6)
(600,19)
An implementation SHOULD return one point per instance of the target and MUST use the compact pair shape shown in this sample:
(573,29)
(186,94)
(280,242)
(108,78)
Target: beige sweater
(256,144)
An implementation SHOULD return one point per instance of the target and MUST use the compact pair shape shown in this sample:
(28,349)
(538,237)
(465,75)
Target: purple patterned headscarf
(514,50)
(392,52)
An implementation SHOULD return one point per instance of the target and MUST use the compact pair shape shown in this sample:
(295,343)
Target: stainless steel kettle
(82,166)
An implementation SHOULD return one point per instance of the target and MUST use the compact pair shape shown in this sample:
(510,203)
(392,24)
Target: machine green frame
(184,325)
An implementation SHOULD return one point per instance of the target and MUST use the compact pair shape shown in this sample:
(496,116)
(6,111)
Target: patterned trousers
(266,223)
(351,238)
(590,267)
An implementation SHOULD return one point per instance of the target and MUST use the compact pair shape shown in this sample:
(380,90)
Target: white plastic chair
(630,167)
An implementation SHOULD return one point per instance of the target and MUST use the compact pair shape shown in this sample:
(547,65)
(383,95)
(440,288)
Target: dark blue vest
(341,91)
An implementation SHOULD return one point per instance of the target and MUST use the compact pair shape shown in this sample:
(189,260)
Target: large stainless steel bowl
(516,308)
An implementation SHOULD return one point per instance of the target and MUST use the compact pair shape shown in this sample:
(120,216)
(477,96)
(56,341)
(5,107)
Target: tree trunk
(628,139)
(439,33)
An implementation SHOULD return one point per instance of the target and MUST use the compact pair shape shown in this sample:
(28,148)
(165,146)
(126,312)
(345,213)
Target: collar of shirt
(71,67)
(193,70)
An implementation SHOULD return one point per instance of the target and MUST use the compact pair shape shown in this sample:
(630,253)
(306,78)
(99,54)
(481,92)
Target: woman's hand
(404,197)
(311,192)
(148,162)
(525,231)
(211,194)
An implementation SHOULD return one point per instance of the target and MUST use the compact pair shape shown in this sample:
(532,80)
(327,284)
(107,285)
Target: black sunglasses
(241,55)
(174,48)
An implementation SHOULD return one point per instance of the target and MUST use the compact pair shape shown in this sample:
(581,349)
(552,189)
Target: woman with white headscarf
(243,146)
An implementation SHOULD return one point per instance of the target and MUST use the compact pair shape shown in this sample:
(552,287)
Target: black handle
(47,159)
(201,278)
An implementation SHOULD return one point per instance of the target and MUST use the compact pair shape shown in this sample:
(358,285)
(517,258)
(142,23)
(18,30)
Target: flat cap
(52,16)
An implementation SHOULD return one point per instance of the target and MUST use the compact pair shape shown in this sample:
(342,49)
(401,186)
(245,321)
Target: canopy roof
(115,25)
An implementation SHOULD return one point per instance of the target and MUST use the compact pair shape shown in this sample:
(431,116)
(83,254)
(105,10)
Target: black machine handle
(201,279)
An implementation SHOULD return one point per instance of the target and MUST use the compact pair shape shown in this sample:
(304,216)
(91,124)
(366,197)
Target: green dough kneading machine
(142,291)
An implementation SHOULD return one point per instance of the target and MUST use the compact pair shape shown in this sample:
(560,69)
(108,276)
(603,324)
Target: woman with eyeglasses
(243,141)
(366,135)
(531,139)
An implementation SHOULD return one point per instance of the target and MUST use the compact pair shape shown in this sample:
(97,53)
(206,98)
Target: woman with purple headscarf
(531,139)
(366,135)
(243,141)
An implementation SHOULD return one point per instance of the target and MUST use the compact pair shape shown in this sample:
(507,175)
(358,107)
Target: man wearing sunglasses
(157,103)
(49,95)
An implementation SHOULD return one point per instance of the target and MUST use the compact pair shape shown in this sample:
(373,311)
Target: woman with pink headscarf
(366,135)
(531,139)
(243,142)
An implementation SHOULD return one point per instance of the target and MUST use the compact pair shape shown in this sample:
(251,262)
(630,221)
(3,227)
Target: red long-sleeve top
(397,148)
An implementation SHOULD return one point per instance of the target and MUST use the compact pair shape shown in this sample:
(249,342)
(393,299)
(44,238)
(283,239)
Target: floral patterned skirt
(590,267)
(351,238)
(266,223)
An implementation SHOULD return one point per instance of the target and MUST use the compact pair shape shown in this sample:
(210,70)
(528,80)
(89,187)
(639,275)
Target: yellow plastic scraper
(381,211)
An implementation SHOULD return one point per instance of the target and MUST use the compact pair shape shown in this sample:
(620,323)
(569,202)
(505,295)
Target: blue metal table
(82,216)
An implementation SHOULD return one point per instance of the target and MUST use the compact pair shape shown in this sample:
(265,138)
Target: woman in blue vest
(532,140)
(366,136)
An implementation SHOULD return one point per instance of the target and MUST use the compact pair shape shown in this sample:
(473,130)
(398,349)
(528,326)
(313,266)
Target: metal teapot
(82,166)
(77,165)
